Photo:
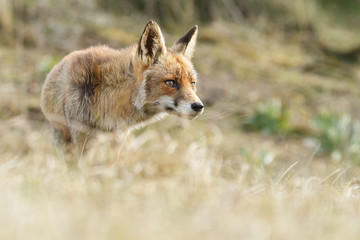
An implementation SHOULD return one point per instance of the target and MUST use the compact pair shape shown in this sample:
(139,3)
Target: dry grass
(173,180)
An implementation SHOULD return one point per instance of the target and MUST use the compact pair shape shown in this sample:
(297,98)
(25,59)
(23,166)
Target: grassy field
(275,155)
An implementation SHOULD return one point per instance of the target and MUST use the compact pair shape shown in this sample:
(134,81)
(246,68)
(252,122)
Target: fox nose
(197,107)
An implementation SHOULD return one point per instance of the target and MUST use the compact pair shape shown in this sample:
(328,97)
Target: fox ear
(151,44)
(186,44)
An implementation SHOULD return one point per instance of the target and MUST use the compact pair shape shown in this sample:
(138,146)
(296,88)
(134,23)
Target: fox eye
(171,83)
(193,84)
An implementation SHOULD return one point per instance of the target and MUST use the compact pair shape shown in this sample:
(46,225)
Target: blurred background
(277,72)
(280,83)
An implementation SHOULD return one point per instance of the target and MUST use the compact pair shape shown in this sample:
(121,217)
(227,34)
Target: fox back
(100,88)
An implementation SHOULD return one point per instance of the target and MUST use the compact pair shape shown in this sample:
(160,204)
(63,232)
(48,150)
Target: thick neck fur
(114,100)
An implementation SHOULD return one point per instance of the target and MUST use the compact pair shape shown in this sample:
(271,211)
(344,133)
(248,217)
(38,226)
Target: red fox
(100,88)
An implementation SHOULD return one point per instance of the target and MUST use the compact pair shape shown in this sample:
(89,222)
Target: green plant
(338,135)
(269,117)
(45,64)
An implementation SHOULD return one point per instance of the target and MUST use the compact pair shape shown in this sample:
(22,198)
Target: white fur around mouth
(183,109)
(185,116)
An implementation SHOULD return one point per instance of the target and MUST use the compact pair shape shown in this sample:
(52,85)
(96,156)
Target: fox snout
(180,108)
(189,110)
(197,107)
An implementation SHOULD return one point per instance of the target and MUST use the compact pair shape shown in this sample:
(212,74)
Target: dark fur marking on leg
(84,91)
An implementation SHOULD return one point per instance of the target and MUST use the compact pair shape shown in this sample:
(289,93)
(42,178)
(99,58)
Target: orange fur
(100,88)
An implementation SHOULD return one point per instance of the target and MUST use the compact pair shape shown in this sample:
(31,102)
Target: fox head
(168,76)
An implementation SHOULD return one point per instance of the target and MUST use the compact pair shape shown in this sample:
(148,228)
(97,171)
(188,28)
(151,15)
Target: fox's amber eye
(171,83)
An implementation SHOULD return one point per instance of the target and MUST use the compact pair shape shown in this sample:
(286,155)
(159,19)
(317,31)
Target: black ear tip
(193,30)
(151,22)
